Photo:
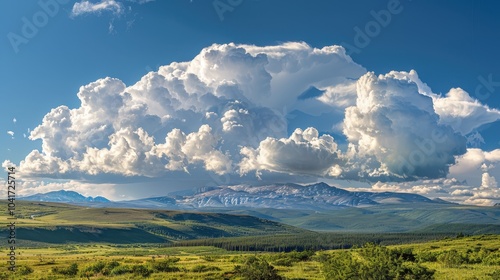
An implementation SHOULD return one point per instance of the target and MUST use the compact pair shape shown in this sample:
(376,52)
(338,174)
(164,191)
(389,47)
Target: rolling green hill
(62,223)
(384,218)
(56,223)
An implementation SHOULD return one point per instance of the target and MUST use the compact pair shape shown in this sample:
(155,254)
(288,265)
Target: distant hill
(66,197)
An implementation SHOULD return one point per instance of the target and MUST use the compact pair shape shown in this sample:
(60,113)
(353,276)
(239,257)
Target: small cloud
(141,1)
(86,7)
(11,133)
(462,192)
(14,120)
(111,27)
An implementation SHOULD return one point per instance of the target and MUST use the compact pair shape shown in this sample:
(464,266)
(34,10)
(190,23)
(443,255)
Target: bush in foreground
(257,269)
(24,270)
(167,265)
(71,270)
(373,262)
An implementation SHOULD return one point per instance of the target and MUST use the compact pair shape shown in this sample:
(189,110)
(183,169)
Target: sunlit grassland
(44,260)
(489,244)
(215,263)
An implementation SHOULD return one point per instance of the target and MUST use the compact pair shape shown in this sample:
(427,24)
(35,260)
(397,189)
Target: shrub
(257,269)
(405,254)
(451,258)
(94,268)
(495,275)
(165,265)
(300,256)
(374,262)
(340,266)
(492,259)
(120,270)
(71,270)
(427,256)
(141,270)
(109,267)
(24,270)
(411,270)
(284,262)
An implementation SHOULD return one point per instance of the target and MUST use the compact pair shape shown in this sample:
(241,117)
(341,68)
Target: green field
(60,241)
(473,257)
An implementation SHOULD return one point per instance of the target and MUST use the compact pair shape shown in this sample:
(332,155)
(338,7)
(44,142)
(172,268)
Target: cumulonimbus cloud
(396,130)
(228,111)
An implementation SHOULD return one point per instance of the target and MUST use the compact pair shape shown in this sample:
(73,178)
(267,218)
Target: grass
(52,237)
(214,263)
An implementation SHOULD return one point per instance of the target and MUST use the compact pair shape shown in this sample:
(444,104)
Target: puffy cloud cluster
(477,168)
(182,149)
(190,115)
(304,152)
(239,110)
(486,193)
(395,129)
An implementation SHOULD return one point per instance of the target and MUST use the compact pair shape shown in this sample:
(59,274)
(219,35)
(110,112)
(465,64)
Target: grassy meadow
(471,257)
(60,241)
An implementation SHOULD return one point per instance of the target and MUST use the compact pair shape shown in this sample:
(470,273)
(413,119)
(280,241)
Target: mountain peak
(65,196)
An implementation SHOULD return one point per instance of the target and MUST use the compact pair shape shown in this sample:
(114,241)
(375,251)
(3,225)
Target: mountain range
(319,196)
(312,207)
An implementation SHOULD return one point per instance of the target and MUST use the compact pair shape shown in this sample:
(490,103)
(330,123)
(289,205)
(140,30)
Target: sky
(136,98)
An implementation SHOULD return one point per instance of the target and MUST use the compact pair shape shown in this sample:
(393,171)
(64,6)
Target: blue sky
(450,44)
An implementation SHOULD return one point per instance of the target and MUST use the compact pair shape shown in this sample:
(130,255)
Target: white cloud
(342,95)
(395,130)
(470,166)
(86,7)
(304,152)
(462,112)
(424,190)
(223,103)
(14,120)
(385,187)
(141,1)
(11,133)
(457,108)
(181,149)
(487,193)
(462,192)
(235,109)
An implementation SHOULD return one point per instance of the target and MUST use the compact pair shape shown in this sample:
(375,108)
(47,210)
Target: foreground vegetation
(473,257)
